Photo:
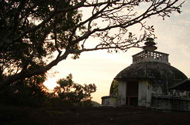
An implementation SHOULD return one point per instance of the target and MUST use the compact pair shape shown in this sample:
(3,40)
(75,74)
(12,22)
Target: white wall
(109,101)
(121,93)
(144,93)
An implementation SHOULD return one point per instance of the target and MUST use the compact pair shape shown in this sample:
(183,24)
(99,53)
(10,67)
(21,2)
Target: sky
(100,67)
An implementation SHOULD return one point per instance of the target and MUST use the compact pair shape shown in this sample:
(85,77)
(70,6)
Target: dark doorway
(132,93)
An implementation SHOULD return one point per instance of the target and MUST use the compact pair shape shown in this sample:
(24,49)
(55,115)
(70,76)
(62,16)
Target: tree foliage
(28,92)
(37,34)
(69,93)
(32,92)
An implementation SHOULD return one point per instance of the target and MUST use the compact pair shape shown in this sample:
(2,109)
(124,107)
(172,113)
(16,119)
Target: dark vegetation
(10,115)
(31,92)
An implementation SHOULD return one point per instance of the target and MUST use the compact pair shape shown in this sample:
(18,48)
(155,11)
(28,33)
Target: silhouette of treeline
(32,92)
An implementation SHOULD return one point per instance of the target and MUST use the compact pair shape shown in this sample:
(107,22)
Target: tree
(28,92)
(37,34)
(69,93)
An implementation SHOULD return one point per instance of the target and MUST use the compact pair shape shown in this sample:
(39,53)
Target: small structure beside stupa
(150,81)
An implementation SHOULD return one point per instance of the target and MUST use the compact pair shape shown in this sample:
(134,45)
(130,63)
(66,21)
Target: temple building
(150,81)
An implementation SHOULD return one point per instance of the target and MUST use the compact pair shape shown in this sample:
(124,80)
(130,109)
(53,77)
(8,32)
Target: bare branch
(108,21)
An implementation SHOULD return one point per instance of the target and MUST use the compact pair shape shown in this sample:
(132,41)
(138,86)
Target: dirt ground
(91,116)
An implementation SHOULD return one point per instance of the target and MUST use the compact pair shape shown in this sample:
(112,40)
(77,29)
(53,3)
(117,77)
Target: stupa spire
(150,44)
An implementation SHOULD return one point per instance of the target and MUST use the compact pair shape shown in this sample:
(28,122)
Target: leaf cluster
(28,92)
(70,93)
(27,39)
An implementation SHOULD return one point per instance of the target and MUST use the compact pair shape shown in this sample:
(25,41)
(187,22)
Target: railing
(150,55)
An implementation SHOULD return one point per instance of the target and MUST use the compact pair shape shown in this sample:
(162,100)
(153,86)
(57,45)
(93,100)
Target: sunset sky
(100,67)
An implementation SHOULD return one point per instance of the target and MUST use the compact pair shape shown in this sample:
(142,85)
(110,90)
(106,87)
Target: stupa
(150,81)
